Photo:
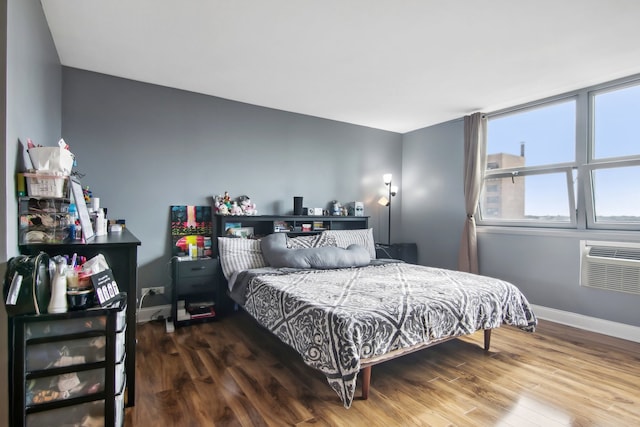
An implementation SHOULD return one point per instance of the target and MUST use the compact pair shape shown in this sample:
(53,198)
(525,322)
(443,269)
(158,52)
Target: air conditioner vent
(613,268)
(617,253)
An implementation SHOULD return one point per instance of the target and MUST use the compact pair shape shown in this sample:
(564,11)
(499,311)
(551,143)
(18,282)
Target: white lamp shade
(387,178)
(383,201)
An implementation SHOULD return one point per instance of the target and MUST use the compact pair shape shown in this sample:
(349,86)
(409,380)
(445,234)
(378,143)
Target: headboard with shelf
(294,225)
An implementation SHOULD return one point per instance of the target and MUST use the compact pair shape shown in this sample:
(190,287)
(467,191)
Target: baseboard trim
(592,324)
(152,313)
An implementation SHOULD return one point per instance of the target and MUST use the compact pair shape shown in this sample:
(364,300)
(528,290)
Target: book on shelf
(199,307)
(209,313)
(318,226)
(281,226)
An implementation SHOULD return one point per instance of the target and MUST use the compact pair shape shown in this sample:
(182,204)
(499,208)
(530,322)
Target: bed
(345,319)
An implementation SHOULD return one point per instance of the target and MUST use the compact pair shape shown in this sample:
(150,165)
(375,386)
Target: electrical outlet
(155,290)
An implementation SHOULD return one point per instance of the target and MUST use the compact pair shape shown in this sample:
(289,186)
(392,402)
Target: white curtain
(475,153)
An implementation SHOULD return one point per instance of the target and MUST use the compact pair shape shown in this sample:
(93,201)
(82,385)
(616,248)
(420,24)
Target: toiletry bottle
(73,217)
(78,235)
(100,228)
(58,302)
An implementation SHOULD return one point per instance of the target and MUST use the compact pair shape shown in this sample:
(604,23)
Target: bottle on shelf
(73,212)
(73,219)
(101,223)
(58,302)
(78,230)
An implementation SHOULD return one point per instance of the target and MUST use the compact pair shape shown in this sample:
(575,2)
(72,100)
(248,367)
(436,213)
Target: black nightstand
(198,294)
(407,252)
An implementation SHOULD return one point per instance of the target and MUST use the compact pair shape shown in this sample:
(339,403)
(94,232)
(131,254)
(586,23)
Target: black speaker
(297,205)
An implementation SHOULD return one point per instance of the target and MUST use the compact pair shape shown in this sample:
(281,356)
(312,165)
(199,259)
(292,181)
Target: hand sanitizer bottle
(58,302)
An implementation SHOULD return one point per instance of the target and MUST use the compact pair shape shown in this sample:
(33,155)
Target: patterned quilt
(336,318)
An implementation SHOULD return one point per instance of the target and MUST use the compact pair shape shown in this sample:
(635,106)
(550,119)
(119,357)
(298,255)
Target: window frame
(567,167)
(582,202)
(588,188)
(592,164)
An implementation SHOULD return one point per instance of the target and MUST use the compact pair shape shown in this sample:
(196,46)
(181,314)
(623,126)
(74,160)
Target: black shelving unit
(268,224)
(121,252)
(68,368)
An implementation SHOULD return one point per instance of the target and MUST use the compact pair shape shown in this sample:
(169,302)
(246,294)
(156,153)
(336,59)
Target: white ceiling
(397,65)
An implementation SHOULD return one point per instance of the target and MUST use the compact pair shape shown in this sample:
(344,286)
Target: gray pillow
(275,252)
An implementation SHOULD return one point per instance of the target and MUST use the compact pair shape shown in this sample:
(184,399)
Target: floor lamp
(392,190)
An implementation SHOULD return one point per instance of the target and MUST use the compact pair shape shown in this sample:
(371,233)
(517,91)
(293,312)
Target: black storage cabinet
(68,368)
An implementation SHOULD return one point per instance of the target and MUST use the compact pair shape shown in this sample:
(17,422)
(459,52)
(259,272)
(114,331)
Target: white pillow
(362,237)
(238,254)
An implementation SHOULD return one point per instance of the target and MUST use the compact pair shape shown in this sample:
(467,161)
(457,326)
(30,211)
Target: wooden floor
(232,373)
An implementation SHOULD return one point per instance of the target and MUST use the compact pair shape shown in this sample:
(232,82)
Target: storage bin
(65,386)
(121,320)
(72,370)
(118,416)
(120,375)
(56,159)
(46,185)
(76,415)
(69,353)
(120,345)
(55,328)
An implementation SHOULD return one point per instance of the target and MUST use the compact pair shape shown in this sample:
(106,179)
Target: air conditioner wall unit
(611,266)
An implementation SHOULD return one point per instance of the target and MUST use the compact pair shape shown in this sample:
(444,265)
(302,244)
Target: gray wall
(546,267)
(433,209)
(144,148)
(544,264)
(32,95)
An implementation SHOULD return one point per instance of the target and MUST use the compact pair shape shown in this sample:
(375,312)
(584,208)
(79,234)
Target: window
(555,162)
(531,156)
(613,168)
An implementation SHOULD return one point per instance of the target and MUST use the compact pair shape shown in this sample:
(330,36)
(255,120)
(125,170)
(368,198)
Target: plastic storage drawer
(73,352)
(64,386)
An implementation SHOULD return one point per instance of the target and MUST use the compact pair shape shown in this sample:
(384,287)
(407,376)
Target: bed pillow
(362,237)
(238,254)
(277,254)
(315,241)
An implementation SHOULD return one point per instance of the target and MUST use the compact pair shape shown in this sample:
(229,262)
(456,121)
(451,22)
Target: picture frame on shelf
(190,225)
(83,211)
(243,232)
(230,226)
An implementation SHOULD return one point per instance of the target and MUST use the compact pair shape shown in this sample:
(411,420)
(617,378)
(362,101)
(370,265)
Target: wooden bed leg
(487,339)
(366,381)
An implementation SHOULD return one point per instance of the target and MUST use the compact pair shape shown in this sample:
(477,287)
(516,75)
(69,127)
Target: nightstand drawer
(197,269)
(195,285)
